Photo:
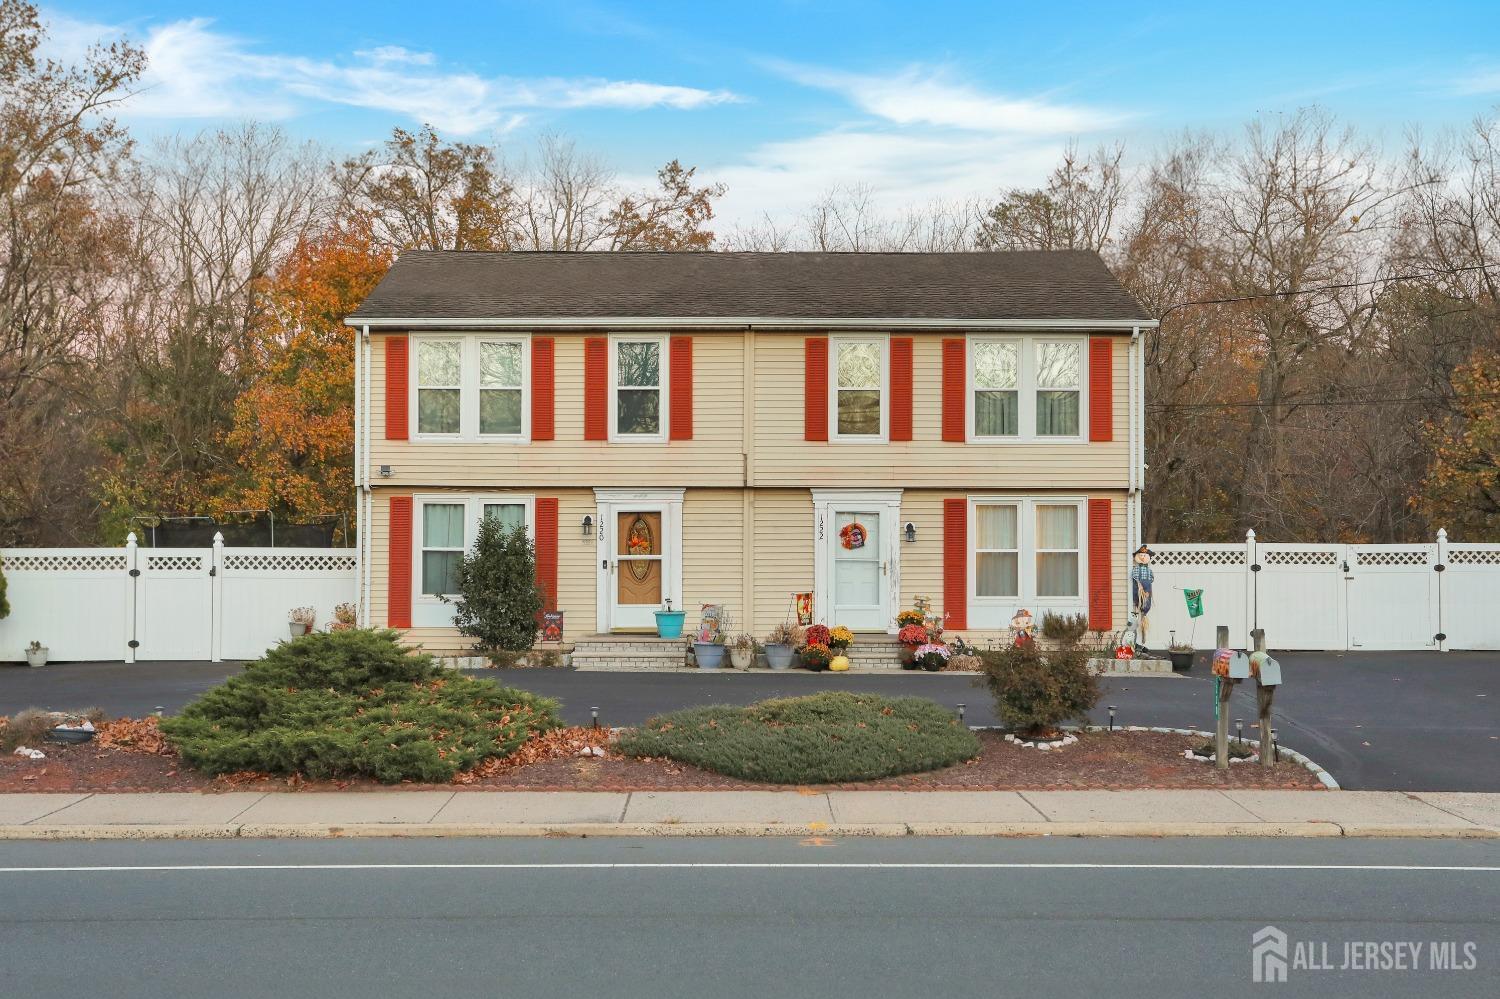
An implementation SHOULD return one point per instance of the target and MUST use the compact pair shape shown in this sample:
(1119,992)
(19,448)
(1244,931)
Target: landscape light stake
(1274,751)
(960,712)
(1239,730)
(594,713)
(1111,717)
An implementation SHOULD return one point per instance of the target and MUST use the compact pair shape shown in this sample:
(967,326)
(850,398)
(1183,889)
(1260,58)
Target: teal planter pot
(669,623)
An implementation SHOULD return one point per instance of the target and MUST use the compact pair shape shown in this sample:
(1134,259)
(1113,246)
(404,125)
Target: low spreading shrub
(354,703)
(1036,691)
(1067,629)
(822,739)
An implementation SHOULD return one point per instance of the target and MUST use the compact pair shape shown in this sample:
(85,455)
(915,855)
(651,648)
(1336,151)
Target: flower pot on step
(779,656)
(669,623)
(708,655)
(1181,661)
(741,658)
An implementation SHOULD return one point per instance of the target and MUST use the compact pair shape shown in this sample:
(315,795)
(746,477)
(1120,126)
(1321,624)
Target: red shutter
(955,373)
(397,388)
(543,389)
(398,571)
(546,549)
(815,389)
(1101,568)
(681,378)
(595,388)
(956,562)
(1101,388)
(901,348)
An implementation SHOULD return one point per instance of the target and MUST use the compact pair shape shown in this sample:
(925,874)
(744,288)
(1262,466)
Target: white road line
(958,866)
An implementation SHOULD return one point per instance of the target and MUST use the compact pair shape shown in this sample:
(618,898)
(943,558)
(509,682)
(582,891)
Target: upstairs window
(1026,388)
(859,388)
(471,388)
(1059,381)
(639,383)
(439,386)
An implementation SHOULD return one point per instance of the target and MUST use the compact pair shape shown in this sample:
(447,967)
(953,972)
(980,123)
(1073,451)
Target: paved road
(1120,918)
(1377,721)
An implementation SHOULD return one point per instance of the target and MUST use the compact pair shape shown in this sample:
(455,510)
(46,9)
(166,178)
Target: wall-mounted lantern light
(588,527)
(386,472)
(911,532)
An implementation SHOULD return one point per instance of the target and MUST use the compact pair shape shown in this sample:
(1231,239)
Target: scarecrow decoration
(1024,627)
(1141,580)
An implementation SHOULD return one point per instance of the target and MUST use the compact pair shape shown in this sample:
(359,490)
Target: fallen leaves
(136,735)
(561,743)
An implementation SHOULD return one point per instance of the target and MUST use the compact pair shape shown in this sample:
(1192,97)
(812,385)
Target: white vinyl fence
(1331,597)
(166,603)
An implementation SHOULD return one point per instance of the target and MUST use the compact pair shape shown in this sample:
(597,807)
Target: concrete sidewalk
(750,813)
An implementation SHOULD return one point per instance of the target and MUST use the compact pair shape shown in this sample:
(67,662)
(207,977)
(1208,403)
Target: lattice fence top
(267,562)
(174,563)
(1390,558)
(101,562)
(1473,556)
(1198,556)
(1301,557)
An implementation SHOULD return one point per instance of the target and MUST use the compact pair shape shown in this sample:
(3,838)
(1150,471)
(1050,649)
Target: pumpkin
(839,664)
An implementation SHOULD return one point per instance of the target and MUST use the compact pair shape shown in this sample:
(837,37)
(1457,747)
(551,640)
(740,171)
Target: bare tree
(1077,209)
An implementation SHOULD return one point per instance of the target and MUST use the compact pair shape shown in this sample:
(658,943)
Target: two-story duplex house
(734,428)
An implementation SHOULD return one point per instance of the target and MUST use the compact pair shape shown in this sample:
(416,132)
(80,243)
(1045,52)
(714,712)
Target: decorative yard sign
(552,626)
(803,604)
(709,623)
(1194,602)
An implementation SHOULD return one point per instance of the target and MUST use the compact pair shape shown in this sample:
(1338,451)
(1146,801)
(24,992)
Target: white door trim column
(607,502)
(825,502)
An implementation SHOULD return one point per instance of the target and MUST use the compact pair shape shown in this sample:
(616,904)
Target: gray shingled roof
(1027,285)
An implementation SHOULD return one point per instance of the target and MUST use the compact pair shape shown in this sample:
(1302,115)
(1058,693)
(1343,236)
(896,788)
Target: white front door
(860,580)
(639,545)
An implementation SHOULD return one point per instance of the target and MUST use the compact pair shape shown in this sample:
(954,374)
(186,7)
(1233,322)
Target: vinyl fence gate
(130,603)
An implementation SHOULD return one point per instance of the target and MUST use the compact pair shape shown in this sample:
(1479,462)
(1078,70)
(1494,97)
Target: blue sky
(780,100)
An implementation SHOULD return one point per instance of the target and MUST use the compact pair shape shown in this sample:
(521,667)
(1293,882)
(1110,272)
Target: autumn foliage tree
(1462,487)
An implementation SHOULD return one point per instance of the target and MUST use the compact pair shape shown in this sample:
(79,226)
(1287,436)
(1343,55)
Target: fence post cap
(1442,534)
(219,538)
(1250,534)
(130,540)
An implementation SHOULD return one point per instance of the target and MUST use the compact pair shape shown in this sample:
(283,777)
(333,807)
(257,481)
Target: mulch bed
(1100,761)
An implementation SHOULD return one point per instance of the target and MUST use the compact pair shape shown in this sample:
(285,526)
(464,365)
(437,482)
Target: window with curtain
(1057,550)
(501,387)
(858,381)
(442,546)
(997,379)
(997,550)
(638,387)
(439,386)
(1059,371)
(510,515)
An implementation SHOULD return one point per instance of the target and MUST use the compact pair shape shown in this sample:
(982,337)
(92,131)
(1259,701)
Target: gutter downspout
(363,456)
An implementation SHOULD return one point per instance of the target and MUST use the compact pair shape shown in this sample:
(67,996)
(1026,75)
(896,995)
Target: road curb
(408,830)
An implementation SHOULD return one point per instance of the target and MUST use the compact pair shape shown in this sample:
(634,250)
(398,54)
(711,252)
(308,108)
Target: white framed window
(638,388)
(471,388)
(1025,552)
(1026,389)
(446,526)
(857,390)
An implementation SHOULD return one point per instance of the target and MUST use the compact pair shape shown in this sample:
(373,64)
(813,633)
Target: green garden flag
(1194,602)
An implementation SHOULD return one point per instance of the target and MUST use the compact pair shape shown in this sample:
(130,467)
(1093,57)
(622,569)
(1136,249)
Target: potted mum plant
(932,657)
(300,620)
(780,643)
(816,656)
(742,651)
(345,616)
(840,638)
(911,635)
(814,634)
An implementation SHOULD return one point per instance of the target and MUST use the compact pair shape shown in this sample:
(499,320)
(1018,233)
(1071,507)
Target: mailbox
(1270,673)
(1239,666)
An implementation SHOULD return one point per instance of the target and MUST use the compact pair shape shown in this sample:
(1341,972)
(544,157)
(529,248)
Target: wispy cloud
(195,71)
(920,95)
(1480,82)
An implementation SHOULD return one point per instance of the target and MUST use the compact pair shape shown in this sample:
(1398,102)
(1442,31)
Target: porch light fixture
(588,527)
(911,532)
(385,472)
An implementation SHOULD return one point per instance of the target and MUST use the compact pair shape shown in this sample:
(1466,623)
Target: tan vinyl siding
(783,521)
(783,458)
(713,563)
(717,455)
(713,457)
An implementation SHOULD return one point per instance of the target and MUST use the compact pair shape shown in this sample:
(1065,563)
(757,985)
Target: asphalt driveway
(1399,721)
